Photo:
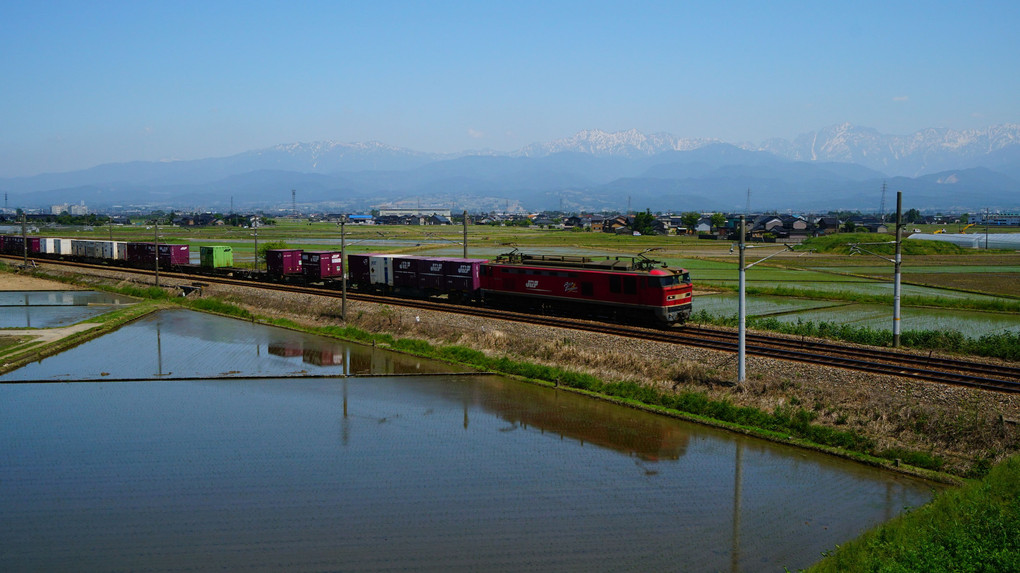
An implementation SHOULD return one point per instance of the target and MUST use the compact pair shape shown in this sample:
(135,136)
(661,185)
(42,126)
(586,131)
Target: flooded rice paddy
(48,309)
(438,472)
(187,344)
(970,323)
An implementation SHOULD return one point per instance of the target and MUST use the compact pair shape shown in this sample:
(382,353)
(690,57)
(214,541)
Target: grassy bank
(973,528)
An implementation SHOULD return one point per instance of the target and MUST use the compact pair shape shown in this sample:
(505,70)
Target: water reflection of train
(615,288)
(355,359)
(650,437)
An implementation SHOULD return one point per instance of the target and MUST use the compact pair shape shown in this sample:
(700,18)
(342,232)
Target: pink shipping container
(174,255)
(463,275)
(321,264)
(283,262)
(144,254)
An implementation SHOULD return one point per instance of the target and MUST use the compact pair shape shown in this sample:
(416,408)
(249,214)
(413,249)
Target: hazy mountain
(840,166)
(926,151)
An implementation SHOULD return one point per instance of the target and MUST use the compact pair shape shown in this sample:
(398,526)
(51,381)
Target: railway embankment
(879,419)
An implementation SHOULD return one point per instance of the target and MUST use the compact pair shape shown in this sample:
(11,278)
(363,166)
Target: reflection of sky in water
(970,323)
(405,473)
(181,343)
(47,309)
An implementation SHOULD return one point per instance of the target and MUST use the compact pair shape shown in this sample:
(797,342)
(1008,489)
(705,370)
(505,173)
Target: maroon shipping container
(170,255)
(283,262)
(139,254)
(463,275)
(405,272)
(15,245)
(174,255)
(321,264)
(359,269)
(430,274)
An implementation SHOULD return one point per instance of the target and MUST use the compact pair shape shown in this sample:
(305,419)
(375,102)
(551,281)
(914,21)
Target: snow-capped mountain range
(841,166)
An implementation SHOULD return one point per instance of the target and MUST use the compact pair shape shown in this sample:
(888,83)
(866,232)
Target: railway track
(994,377)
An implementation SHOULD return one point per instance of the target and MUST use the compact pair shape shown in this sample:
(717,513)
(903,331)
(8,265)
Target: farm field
(797,285)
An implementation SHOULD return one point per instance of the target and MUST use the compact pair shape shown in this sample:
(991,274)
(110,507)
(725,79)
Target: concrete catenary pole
(741,308)
(24,238)
(156,250)
(343,270)
(896,271)
(465,234)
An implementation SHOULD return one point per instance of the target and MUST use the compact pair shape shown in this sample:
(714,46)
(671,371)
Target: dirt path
(50,334)
(14,281)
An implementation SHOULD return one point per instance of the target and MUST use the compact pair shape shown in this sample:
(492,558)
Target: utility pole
(343,270)
(293,201)
(255,226)
(741,308)
(465,233)
(24,238)
(156,251)
(881,208)
(896,270)
(986,228)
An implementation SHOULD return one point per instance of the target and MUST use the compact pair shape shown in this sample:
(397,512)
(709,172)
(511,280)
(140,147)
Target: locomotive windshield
(672,280)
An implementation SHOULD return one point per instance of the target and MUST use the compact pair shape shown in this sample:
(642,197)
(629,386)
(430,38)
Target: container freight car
(216,257)
(98,250)
(143,255)
(415,275)
(15,245)
(319,265)
(463,277)
(359,271)
(617,289)
(283,263)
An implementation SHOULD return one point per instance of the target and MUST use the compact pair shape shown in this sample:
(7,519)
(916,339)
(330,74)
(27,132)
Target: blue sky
(86,83)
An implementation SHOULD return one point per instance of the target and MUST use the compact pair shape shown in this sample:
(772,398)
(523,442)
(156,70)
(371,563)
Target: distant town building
(996,219)
(413,212)
(69,209)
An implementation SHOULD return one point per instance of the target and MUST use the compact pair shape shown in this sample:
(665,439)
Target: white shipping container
(46,245)
(381,269)
(62,246)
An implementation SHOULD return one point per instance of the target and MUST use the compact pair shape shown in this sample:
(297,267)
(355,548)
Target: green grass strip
(973,528)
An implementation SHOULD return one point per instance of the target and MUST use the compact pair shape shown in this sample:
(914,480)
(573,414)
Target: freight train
(621,289)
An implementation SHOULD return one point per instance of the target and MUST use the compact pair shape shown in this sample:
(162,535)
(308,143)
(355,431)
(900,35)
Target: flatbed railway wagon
(619,289)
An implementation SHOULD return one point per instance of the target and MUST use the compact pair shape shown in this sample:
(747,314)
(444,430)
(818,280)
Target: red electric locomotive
(620,288)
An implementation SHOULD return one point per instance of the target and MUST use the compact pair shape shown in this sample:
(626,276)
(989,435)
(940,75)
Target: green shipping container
(216,256)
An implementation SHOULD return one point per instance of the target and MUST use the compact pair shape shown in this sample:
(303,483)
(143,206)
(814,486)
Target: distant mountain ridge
(840,166)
